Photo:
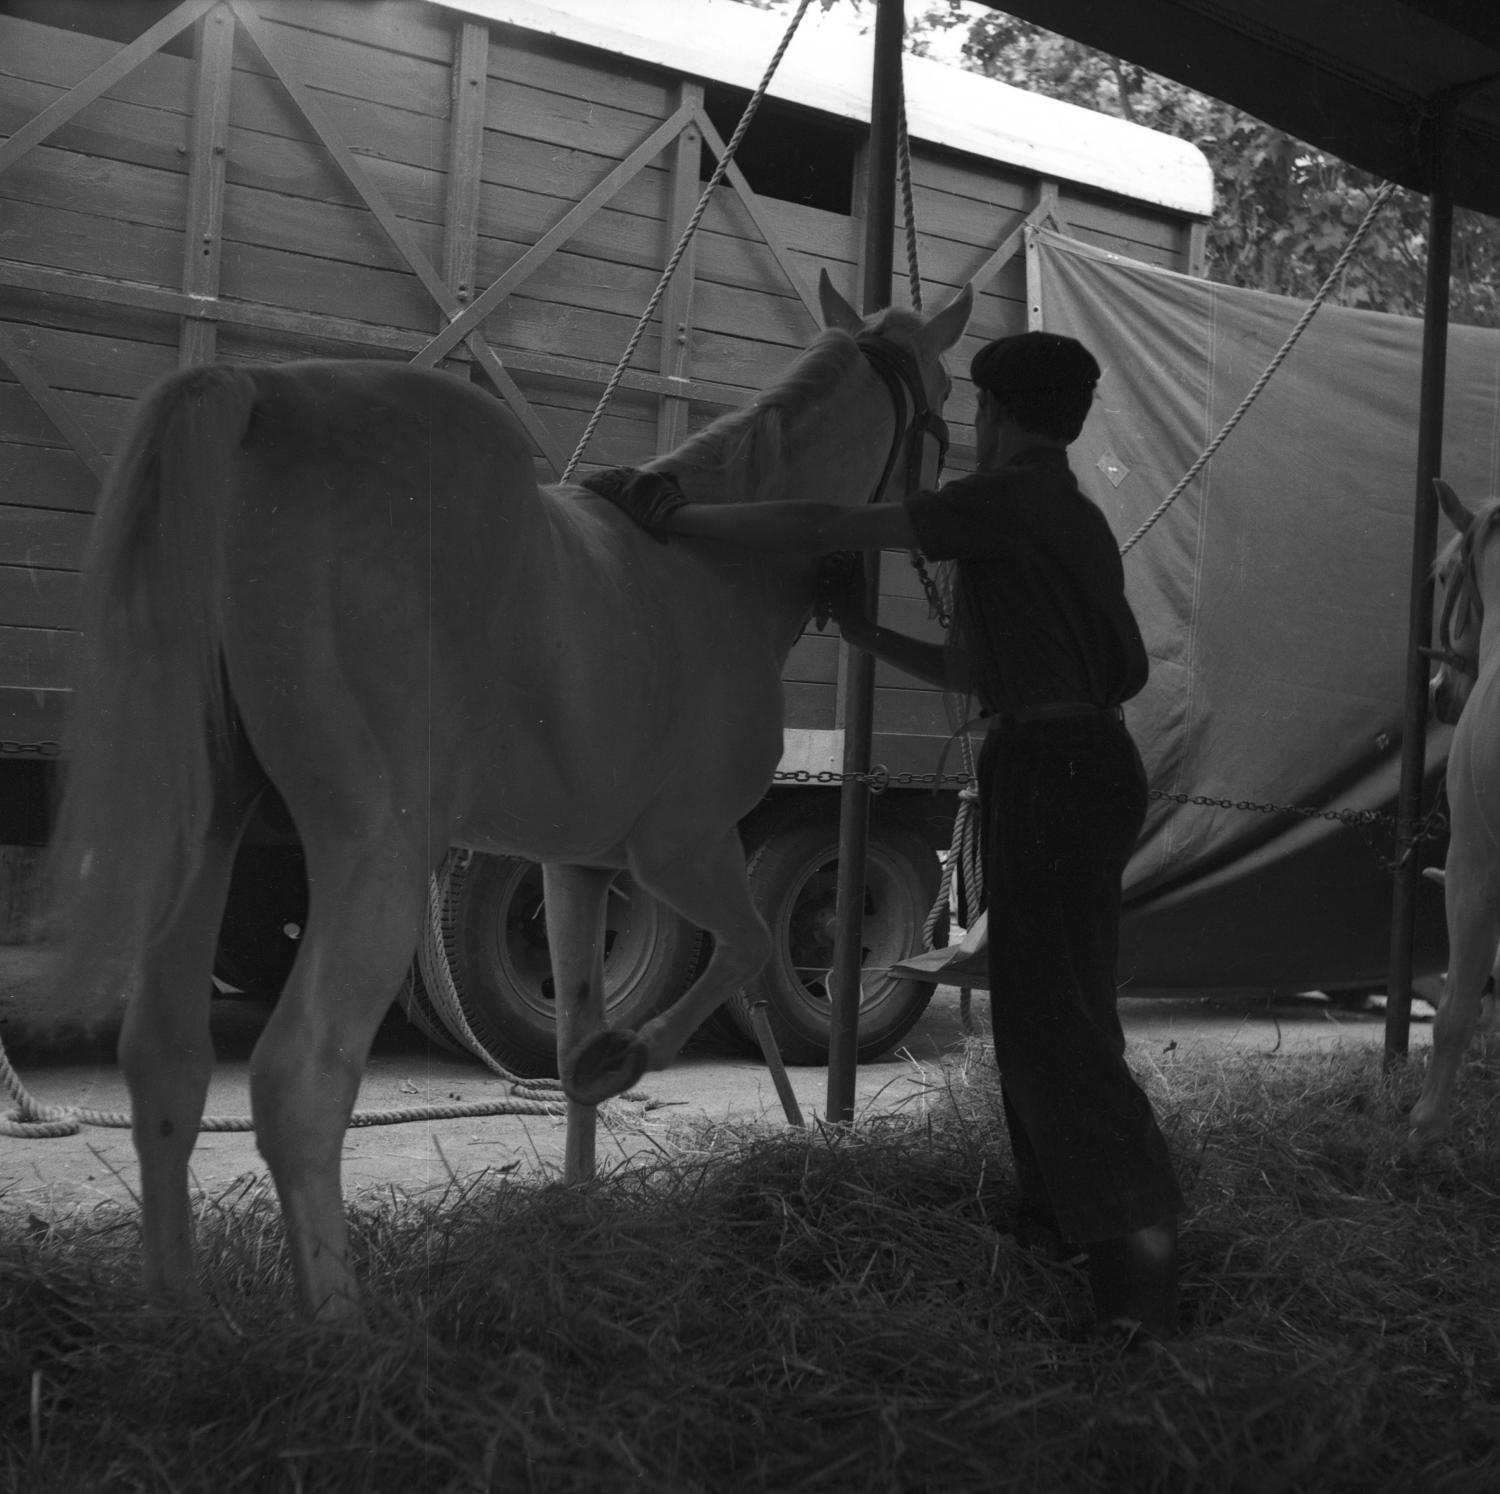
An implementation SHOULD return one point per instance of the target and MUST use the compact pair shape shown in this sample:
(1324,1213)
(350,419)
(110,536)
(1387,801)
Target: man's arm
(936,663)
(656,502)
(820,528)
(797,528)
(794,528)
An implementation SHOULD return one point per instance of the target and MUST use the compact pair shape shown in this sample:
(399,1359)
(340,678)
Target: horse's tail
(151,739)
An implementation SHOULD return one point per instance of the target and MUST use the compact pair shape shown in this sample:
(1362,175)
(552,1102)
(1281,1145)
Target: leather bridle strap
(899,371)
(1461,582)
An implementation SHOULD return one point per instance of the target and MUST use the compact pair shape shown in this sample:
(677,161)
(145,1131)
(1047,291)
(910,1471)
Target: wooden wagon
(493,186)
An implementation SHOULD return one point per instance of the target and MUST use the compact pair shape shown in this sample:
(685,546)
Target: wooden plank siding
(341,179)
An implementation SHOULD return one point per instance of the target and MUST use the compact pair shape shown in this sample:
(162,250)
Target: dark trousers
(1063,805)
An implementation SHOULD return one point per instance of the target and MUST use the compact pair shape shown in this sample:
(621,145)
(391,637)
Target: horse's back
(413,615)
(382,424)
(412,619)
(376,498)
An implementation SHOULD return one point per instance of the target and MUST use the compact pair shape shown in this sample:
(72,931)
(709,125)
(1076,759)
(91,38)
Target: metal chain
(935,601)
(878,778)
(1434,824)
(38,749)
(1251,806)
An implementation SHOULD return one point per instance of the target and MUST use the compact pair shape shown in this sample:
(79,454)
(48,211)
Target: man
(1046,639)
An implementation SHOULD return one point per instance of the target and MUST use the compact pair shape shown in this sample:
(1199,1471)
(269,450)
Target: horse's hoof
(1422,1131)
(1417,1147)
(604,1065)
(1426,1123)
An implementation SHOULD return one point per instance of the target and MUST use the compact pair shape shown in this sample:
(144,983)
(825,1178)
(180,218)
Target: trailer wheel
(793,866)
(495,942)
(423,1014)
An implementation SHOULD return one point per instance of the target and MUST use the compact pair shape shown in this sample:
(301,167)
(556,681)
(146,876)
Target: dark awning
(1361,79)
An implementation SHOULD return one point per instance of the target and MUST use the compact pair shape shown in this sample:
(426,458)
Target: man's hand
(649,498)
(840,592)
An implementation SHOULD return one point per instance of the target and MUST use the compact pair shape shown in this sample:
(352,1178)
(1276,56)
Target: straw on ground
(753,1310)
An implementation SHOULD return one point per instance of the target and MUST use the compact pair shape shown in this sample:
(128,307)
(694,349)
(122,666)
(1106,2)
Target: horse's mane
(745,450)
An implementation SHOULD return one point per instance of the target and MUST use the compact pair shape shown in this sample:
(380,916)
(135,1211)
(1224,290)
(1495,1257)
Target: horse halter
(929,431)
(1460,585)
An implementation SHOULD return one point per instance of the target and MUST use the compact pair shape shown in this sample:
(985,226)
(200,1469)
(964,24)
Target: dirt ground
(49,1176)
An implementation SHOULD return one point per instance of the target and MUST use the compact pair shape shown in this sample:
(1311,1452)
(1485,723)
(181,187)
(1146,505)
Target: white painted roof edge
(828,67)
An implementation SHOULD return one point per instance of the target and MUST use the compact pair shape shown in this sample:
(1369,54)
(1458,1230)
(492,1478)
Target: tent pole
(1424,546)
(859,687)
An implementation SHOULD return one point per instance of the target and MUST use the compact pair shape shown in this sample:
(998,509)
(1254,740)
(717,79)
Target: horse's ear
(1459,516)
(837,312)
(945,327)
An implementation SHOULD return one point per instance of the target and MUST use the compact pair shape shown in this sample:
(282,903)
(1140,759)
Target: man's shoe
(1134,1278)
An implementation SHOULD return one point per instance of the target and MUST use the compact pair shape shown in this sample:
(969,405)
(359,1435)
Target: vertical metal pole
(859,692)
(1419,625)
(198,340)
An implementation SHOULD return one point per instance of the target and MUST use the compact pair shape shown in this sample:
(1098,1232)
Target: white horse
(341,580)
(1466,695)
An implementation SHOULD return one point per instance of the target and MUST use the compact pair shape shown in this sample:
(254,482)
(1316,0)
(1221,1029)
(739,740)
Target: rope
(962,885)
(32,1120)
(1324,291)
(908,202)
(719,173)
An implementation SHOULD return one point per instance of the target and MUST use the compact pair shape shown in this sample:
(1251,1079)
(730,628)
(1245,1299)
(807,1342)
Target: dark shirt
(1040,601)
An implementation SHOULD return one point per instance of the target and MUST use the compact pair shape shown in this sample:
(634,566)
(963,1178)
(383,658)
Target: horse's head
(825,429)
(1461,607)
(906,350)
(923,339)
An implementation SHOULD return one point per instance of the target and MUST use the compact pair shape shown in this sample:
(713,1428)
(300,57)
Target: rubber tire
(793,867)
(421,1011)
(496,942)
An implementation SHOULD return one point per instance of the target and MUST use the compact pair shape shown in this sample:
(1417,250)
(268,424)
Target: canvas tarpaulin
(1273,596)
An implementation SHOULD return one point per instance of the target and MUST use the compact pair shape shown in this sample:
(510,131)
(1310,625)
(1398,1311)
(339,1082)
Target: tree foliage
(1283,211)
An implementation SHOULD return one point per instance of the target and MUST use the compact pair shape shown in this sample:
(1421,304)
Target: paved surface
(46,1176)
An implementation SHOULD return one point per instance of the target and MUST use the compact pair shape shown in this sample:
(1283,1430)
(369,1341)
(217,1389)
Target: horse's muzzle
(1446,694)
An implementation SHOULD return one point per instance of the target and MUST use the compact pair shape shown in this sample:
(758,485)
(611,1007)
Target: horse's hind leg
(576,899)
(708,886)
(363,912)
(166,1054)
(1473,935)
